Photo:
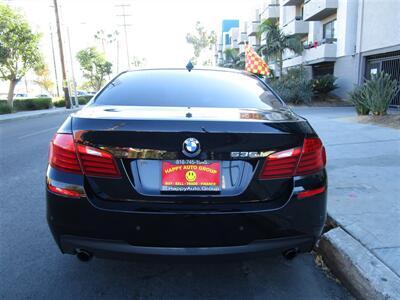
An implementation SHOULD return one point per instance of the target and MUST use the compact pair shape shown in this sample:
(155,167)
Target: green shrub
(84,99)
(378,92)
(324,84)
(293,87)
(59,102)
(32,104)
(4,108)
(357,99)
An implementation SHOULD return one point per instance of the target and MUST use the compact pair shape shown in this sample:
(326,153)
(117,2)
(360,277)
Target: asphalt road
(32,267)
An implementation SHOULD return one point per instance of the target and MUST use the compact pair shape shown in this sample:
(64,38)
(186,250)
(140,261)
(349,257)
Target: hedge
(32,104)
(37,103)
(4,108)
(26,104)
(84,99)
(60,102)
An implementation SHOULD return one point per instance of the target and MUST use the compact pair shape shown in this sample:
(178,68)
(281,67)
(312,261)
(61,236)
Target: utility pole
(60,44)
(117,56)
(54,61)
(125,25)
(75,101)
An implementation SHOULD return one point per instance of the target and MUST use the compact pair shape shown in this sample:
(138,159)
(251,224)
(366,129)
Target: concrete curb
(357,268)
(35,114)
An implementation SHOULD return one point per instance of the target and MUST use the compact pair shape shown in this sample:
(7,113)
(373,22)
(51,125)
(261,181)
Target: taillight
(308,159)
(313,157)
(281,164)
(63,191)
(310,193)
(62,154)
(96,162)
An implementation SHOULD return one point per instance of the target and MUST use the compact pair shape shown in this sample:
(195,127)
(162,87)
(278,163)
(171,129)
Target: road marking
(37,132)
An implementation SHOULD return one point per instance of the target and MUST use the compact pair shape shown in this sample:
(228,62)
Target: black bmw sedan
(172,163)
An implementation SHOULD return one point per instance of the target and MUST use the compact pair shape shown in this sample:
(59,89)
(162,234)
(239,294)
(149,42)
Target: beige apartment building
(350,39)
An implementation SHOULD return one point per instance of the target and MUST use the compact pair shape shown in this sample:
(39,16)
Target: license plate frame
(190,176)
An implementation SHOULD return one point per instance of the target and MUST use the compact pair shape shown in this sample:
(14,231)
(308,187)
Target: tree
(94,66)
(233,59)
(201,40)
(277,42)
(106,38)
(19,48)
(138,62)
(44,80)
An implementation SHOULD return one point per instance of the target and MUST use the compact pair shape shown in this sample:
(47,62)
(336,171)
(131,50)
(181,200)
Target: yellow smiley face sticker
(190,176)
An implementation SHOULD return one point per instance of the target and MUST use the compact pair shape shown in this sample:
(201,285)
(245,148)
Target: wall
(287,14)
(381,24)
(228,24)
(347,14)
(345,70)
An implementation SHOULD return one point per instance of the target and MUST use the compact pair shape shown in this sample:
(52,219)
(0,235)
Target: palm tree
(232,59)
(277,42)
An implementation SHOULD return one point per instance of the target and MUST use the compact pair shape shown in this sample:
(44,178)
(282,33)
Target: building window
(227,39)
(330,30)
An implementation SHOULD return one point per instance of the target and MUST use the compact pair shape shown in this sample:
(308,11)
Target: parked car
(43,96)
(171,163)
(20,96)
(83,93)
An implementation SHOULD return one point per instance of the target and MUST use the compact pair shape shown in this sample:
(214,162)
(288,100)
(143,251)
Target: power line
(125,25)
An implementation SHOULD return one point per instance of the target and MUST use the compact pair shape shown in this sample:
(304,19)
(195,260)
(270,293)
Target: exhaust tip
(83,255)
(290,253)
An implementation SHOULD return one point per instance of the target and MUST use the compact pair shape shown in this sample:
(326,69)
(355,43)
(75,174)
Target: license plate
(190,177)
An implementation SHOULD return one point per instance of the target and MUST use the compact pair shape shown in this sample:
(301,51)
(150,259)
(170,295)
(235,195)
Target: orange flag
(254,63)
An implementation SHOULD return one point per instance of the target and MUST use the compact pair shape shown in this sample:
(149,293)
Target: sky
(157,28)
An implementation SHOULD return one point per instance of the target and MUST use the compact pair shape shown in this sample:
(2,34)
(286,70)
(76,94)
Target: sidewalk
(35,113)
(364,180)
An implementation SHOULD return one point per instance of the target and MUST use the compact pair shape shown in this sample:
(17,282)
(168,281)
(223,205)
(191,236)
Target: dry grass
(319,262)
(329,101)
(391,120)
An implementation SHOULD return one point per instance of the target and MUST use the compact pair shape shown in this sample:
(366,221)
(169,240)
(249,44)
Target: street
(32,267)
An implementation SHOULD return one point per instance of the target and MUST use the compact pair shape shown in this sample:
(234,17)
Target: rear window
(180,88)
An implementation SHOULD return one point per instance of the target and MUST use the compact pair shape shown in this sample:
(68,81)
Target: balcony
(292,62)
(242,38)
(320,52)
(234,44)
(295,27)
(316,10)
(291,2)
(271,11)
(252,28)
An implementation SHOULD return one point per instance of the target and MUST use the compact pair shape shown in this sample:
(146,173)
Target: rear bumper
(121,249)
(80,224)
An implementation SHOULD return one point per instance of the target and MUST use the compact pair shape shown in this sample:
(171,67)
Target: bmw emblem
(191,147)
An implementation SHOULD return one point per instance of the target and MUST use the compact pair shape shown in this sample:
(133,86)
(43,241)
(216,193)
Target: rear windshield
(198,88)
